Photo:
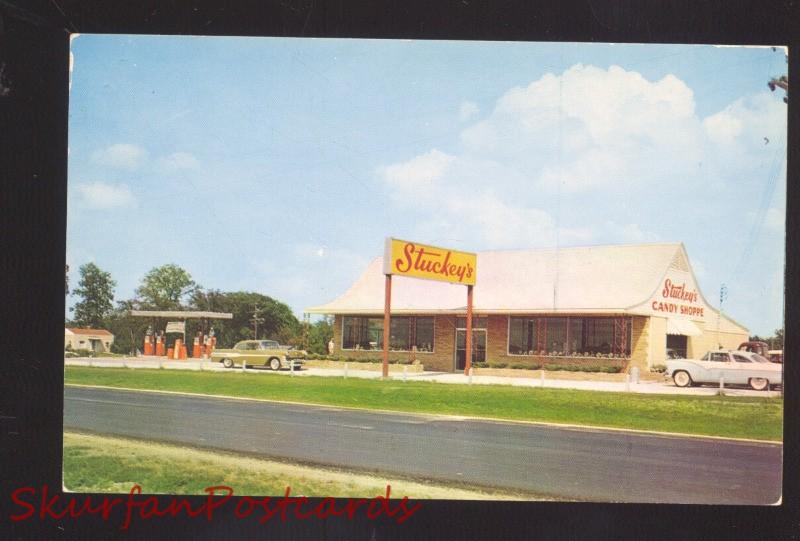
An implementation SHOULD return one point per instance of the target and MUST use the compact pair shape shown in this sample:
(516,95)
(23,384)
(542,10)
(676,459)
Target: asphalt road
(578,464)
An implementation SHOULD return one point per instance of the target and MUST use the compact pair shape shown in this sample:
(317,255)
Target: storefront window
(575,345)
(599,336)
(423,337)
(574,336)
(556,335)
(366,333)
(399,340)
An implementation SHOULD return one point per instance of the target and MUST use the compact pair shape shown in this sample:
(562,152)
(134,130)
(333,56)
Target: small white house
(97,340)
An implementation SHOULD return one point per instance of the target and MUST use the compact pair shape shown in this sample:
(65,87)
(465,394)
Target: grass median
(104,464)
(736,417)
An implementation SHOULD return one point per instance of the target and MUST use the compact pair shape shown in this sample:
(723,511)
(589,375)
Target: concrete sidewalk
(650,387)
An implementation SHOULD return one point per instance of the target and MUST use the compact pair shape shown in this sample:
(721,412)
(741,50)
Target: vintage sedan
(735,367)
(260,353)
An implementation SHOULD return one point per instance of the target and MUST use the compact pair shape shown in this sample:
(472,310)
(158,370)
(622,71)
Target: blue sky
(280,165)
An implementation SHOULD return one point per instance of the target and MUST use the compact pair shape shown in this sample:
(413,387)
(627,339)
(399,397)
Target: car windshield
(759,359)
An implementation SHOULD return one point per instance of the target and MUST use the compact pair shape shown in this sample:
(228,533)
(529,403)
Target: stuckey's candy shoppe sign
(406,258)
(679,299)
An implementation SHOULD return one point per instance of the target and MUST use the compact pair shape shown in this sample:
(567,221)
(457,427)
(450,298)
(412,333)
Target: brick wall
(497,338)
(640,342)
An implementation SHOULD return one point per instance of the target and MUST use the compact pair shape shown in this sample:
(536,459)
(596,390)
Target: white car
(736,367)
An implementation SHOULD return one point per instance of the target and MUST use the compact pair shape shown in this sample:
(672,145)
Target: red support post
(387,305)
(468,353)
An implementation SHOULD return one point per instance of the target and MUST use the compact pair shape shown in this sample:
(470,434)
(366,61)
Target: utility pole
(306,324)
(255,320)
(723,294)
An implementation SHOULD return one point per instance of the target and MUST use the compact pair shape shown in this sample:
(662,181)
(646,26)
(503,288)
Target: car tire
(759,384)
(275,363)
(682,378)
(227,363)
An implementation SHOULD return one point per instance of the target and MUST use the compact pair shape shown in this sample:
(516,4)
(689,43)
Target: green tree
(279,322)
(776,342)
(165,288)
(319,335)
(128,331)
(96,291)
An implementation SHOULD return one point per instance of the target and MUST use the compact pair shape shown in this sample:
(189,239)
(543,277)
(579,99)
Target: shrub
(497,365)
(480,364)
(584,368)
(519,366)
(660,368)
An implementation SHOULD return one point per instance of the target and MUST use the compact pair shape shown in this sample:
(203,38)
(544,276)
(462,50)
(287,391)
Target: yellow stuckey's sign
(406,258)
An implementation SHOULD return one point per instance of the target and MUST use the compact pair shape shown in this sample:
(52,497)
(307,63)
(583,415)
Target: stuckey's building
(620,305)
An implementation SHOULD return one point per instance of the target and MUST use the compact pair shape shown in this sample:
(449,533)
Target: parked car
(260,352)
(756,347)
(775,356)
(736,367)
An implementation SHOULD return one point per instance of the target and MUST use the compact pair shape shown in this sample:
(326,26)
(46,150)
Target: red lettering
(419,258)
(372,514)
(385,502)
(31,509)
(135,489)
(353,505)
(327,508)
(250,502)
(212,505)
(408,250)
(217,496)
(298,504)
(445,264)
(407,513)
(47,506)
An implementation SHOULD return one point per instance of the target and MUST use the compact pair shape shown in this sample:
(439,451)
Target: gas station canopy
(181,314)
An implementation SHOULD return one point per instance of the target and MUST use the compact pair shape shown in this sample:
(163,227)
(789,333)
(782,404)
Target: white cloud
(101,195)
(178,161)
(723,127)
(775,219)
(121,155)
(417,177)
(467,110)
(602,155)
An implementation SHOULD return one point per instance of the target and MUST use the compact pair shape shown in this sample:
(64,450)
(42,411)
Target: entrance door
(478,347)
(676,346)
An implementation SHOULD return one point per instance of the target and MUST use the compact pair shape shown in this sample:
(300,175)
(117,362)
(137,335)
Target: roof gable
(88,331)
(587,278)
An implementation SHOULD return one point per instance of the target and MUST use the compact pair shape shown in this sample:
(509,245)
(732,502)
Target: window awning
(682,327)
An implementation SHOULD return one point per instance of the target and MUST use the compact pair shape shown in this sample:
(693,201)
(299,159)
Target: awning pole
(387,303)
(468,353)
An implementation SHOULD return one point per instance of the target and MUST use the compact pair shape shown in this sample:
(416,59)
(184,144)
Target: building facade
(608,306)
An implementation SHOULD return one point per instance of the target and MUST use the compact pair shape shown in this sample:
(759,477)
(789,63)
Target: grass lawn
(740,417)
(110,464)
